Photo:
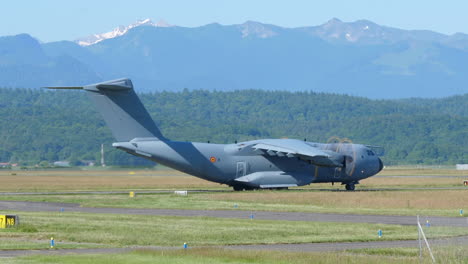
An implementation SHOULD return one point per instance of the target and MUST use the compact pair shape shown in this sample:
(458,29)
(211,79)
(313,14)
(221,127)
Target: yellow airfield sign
(8,220)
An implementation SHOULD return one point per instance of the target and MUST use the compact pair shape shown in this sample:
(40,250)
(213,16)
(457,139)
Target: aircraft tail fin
(121,109)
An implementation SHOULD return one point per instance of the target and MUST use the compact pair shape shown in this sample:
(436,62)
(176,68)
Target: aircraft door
(337,173)
(241,169)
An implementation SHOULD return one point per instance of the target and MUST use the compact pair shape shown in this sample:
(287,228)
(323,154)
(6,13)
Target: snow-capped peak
(119,31)
(253,28)
(163,23)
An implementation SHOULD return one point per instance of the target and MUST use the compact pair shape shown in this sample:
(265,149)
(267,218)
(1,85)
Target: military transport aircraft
(257,164)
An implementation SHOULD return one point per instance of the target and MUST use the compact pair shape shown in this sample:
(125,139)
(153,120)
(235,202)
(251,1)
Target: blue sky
(51,20)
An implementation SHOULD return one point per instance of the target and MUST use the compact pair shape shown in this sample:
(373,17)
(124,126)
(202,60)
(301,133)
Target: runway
(340,246)
(260,215)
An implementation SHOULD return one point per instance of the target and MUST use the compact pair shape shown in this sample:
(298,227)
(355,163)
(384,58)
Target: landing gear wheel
(237,188)
(350,186)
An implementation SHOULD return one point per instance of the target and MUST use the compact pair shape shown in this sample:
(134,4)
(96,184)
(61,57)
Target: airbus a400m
(257,164)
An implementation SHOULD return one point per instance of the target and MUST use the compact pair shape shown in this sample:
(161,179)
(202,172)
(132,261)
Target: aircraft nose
(380,165)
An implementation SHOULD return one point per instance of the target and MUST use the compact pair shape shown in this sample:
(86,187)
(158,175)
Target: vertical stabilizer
(121,109)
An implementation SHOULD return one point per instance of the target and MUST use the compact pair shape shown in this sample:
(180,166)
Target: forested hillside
(39,125)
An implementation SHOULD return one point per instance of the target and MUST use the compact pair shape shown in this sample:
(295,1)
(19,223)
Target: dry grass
(414,171)
(68,180)
(98,180)
(376,182)
(437,199)
(394,182)
(169,179)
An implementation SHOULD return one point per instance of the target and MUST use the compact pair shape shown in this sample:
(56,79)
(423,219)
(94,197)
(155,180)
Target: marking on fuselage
(213,159)
(316,172)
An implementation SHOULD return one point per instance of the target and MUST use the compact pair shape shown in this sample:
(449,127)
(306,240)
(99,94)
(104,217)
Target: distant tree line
(46,126)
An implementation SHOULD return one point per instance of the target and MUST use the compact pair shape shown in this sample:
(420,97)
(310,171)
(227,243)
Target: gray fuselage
(264,163)
(239,164)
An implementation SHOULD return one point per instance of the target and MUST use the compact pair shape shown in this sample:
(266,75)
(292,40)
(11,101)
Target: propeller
(344,145)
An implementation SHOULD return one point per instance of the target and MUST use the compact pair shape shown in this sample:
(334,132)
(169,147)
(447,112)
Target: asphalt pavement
(259,215)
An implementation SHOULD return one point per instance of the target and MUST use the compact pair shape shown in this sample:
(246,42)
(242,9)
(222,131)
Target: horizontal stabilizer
(65,87)
(115,85)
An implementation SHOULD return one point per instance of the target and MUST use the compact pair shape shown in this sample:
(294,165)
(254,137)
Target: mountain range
(358,58)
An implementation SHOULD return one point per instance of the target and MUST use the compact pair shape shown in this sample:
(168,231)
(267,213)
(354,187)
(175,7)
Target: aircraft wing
(299,149)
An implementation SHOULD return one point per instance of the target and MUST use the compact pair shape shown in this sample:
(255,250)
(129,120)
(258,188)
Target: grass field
(412,171)
(213,256)
(82,230)
(210,255)
(85,180)
(130,230)
(313,198)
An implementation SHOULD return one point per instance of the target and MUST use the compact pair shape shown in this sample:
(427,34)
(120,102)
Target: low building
(88,162)
(62,163)
(462,166)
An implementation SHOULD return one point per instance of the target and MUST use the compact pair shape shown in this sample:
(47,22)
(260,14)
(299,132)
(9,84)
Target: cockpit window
(370,153)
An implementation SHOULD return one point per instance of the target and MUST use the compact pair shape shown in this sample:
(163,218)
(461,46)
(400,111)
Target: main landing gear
(350,186)
(239,188)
